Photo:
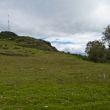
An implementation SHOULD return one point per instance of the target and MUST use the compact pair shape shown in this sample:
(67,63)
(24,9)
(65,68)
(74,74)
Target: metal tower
(8,22)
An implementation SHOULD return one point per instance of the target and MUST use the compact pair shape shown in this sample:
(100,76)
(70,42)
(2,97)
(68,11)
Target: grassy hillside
(10,43)
(47,80)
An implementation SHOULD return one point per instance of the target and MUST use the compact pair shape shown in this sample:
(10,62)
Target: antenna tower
(8,22)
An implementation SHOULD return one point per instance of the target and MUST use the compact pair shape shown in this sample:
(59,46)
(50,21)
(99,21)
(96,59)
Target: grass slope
(13,43)
(48,80)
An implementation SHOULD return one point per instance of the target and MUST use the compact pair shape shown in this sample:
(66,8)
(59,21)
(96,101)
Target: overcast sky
(67,24)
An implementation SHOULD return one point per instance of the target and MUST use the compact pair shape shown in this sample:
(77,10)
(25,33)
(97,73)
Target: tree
(106,39)
(106,36)
(96,51)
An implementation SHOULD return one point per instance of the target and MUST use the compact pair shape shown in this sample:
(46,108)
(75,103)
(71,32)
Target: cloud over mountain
(63,19)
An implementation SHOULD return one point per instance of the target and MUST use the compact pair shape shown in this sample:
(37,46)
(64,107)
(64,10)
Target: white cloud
(74,43)
(72,21)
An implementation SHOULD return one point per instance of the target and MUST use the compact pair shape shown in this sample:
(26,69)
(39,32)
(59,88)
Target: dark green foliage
(8,35)
(106,39)
(108,54)
(96,51)
(34,43)
(28,42)
(106,36)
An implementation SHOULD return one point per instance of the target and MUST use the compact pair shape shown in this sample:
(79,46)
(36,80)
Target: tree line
(99,51)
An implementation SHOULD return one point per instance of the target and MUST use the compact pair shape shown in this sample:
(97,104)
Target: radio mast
(8,22)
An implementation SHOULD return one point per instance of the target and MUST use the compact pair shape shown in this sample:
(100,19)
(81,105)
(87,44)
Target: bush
(96,51)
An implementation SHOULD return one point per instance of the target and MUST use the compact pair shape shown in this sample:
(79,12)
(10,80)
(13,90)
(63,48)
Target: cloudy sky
(67,24)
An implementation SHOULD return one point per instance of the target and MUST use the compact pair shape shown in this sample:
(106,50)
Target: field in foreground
(53,81)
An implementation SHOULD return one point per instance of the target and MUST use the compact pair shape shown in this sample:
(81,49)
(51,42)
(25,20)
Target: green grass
(23,42)
(53,81)
(33,79)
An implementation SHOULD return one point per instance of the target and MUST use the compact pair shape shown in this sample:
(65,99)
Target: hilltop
(11,43)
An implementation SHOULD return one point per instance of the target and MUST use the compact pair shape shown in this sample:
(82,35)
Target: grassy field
(32,78)
(53,81)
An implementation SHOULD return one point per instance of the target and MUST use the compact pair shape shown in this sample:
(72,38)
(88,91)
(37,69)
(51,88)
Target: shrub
(96,51)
